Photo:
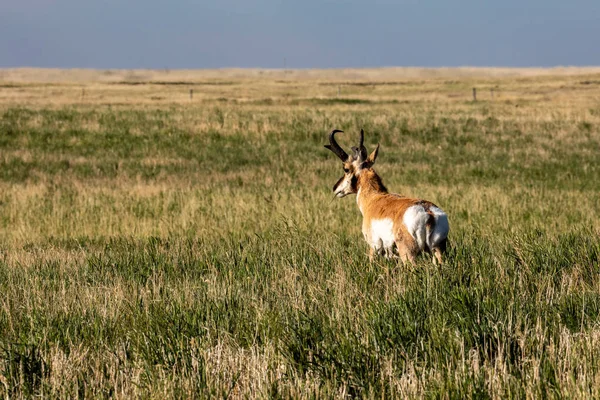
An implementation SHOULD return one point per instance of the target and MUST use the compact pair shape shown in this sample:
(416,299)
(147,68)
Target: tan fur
(375,202)
(384,225)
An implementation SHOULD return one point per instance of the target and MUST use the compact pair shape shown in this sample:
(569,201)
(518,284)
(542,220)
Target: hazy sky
(306,33)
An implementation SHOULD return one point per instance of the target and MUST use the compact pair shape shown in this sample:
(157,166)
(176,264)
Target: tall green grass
(195,251)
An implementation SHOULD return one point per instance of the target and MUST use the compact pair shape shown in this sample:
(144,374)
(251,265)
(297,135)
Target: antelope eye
(346,170)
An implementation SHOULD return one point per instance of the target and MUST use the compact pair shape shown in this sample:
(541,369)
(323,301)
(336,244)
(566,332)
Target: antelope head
(353,165)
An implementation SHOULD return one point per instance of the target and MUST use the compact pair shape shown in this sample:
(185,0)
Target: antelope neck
(368,184)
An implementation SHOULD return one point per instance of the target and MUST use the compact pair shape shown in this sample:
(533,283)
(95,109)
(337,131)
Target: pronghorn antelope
(391,223)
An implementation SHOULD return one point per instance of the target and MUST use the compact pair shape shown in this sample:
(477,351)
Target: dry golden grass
(49,87)
(153,245)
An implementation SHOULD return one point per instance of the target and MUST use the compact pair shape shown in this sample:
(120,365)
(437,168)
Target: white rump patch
(441,228)
(415,220)
(382,235)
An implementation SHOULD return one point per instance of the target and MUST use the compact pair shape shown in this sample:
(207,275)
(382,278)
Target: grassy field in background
(154,245)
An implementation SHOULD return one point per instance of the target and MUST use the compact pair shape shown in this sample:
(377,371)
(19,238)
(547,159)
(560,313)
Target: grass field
(154,245)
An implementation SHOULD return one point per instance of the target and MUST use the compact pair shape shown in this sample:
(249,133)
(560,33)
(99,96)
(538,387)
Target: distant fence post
(492,93)
(474,94)
(191,94)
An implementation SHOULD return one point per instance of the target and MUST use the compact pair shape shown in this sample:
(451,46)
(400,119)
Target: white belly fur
(382,235)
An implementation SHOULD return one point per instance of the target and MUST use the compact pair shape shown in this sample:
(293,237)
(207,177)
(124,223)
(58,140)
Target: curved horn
(360,152)
(362,139)
(335,147)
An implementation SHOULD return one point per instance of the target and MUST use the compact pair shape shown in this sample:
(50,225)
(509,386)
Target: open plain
(172,234)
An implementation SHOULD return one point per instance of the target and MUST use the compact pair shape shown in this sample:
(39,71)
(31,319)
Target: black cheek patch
(354,184)
(338,183)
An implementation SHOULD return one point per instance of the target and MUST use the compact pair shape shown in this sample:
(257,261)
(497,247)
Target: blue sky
(307,34)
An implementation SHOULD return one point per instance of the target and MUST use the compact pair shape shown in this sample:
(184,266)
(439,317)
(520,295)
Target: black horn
(335,147)
(360,152)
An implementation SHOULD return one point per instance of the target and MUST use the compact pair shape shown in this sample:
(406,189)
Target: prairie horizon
(33,74)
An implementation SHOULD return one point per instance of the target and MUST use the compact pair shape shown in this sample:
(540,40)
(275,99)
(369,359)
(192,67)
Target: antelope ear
(373,155)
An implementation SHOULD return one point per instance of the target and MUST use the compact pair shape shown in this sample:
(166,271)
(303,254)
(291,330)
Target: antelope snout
(339,191)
